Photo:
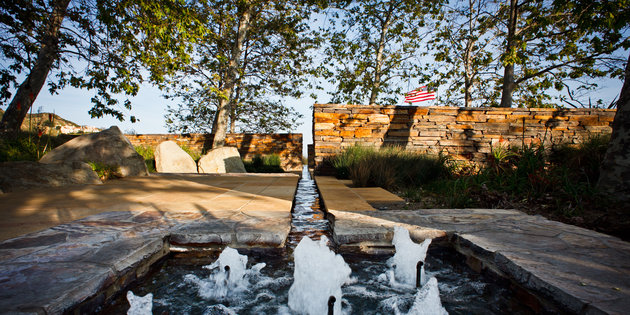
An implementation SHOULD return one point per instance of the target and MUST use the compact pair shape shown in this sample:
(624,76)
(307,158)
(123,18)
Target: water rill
(307,218)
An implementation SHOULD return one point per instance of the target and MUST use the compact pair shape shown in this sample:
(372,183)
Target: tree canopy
(253,53)
(230,61)
(370,45)
(102,46)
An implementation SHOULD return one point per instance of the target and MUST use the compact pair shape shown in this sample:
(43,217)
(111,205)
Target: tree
(94,45)
(614,175)
(253,53)
(463,52)
(546,46)
(372,43)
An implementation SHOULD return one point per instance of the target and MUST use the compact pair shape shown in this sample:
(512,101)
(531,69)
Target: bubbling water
(403,273)
(139,305)
(319,274)
(230,276)
(406,258)
(427,300)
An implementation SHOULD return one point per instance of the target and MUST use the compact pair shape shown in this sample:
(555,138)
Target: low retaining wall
(287,145)
(464,133)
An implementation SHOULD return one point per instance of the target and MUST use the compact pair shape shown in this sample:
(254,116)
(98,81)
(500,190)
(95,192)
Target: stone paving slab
(337,196)
(580,270)
(68,264)
(379,197)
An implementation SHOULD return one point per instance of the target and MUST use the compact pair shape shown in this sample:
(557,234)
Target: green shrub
(105,171)
(264,164)
(584,158)
(194,154)
(28,146)
(561,179)
(148,154)
(347,158)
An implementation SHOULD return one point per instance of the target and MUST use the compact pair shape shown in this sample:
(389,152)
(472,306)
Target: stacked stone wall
(288,146)
(463,133)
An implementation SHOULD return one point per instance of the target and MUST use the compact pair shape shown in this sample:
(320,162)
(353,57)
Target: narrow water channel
(308,219)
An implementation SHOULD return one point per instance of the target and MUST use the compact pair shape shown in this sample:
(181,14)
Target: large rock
(170,158)
(222,160)
(109,147)
(23,175)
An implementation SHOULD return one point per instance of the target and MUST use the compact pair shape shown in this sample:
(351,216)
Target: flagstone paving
(72,248)
(577,270)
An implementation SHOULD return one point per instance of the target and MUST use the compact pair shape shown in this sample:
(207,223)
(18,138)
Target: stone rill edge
(122,270)
(377,239)
(480,260)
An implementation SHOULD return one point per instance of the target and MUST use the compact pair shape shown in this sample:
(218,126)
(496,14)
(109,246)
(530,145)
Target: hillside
(43,122)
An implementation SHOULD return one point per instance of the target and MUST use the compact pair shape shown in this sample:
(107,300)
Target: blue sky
(149,107)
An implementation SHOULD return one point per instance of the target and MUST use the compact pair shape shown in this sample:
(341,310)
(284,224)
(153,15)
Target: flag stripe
(420,94)
(419,98)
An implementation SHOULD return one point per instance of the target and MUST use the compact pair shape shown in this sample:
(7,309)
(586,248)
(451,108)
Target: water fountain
(230,276)
(139,305)
(407,256)
(316,277)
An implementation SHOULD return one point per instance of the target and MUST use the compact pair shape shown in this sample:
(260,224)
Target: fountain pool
(462,290)
(180,288)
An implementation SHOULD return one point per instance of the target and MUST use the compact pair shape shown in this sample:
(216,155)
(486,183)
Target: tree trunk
(379,59)
(468,75)
(223,110)
(233,105)
(29,89)
(508,75)
(614,177)
(468,59)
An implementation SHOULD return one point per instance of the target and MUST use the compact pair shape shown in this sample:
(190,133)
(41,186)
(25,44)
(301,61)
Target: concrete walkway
(570,268)
(58,264)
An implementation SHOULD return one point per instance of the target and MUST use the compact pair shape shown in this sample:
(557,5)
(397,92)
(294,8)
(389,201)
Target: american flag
(420,94)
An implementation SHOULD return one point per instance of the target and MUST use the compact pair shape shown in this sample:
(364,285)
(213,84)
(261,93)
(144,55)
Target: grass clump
(105,171)
(28,146)
(390,167)
(264,164)
(148,154)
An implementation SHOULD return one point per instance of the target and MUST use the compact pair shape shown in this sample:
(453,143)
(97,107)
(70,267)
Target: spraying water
(140,305)
(407,256)
(427,301)
(319,274)
(405,268)
(230,276)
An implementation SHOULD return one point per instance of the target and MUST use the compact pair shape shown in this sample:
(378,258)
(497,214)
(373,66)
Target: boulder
(23,175)
(109,147)
(170,158)
(222,160)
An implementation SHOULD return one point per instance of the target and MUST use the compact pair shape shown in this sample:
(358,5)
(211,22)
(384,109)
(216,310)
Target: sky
(150,107)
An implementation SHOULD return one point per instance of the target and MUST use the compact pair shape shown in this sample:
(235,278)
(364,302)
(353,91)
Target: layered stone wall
(287,145)
(464,133)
